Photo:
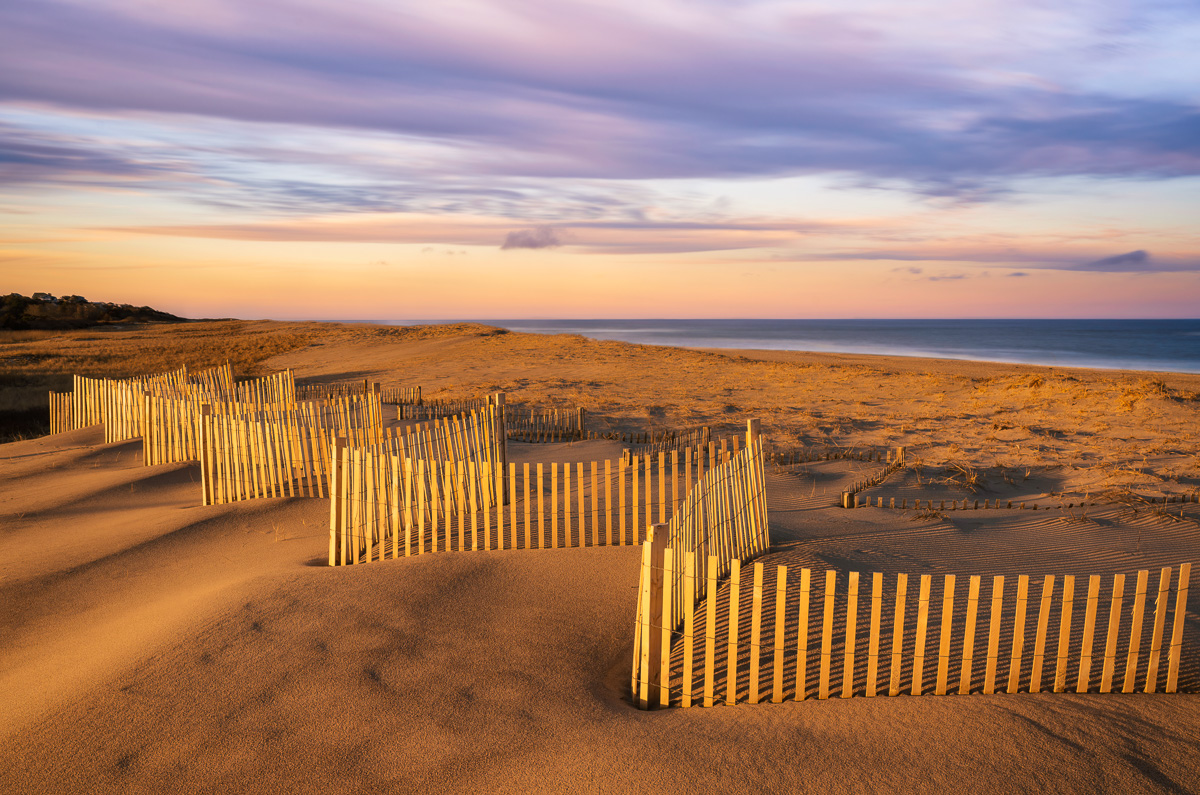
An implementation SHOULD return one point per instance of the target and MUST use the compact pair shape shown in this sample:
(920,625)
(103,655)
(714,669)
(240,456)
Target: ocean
(1154,345)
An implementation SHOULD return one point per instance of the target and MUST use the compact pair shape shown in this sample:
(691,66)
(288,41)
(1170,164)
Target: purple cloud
(538,90)
(540,237)
(1132,261)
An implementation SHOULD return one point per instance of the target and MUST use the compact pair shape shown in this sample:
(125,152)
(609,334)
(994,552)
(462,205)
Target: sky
(379,159)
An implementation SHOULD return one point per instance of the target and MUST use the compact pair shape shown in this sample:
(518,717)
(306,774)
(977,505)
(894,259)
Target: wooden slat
(918,674)
(968,655)
(1160,619)
(873,642)
(1114,627)
(646,629)
(710,630)
(1039,643)
(735,579)
(1135,632)
(664,675)
(801,691)
(993,652)
(944,632)
(755,631)
(1181,596)
(554,506)
(1089,629)
(780,633)
(1018,641)
(1064,634)
(608,504)
(851,632)
(897,635)
(541,511)
(689,626)
(827,635)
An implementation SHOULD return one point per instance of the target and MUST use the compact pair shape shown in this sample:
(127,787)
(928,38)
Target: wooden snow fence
(723,519)
(529,424)
(60,412)
(965,504)
(391,504)
(655,441)
(279,452)
(433,409)
(171,416)
(118,404)
(844,634)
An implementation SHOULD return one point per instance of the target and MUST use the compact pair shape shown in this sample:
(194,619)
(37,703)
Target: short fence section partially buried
(836,634)
(60,412)
(389,505)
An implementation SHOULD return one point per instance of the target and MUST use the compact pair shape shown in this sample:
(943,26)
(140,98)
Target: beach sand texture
(150,644)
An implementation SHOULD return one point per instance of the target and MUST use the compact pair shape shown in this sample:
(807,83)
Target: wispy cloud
(572,90)
(539,237)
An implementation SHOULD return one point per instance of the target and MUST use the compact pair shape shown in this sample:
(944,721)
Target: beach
(151,643)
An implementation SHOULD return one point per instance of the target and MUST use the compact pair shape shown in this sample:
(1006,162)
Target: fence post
(753,431)
(656,632)
(335,499)
(579,421)
(900,455)
(206,462)
(501,431)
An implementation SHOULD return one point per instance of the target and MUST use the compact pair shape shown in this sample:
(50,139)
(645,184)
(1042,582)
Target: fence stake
(993,652)
(1064,633)
(851,632)
(1160,617)
(968,655)
(944,635)
(873,643)
(779,634)
(1039,644)
(897,635)
(1018,643)
(645,644)
(918,676)
(710,630)
(689,625)
(1135,632)
(666,620)
(1114,626)
(1089,627)
(756,631)
(826,635)
(1181,595)
(731,667)
(802,636)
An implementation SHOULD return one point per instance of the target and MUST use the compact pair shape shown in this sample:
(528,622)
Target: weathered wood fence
(171,425)
(60,412)
(723,518)
(966,504)
(528,424)
(278,452)
(387,505)
(118,403)
(794,653)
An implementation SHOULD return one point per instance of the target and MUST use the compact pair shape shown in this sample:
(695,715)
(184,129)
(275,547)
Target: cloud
(907,269)
(581,91)
(538,237)
(1016,274)
(1133,261)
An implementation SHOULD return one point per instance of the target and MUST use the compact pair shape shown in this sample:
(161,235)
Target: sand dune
(150,644)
